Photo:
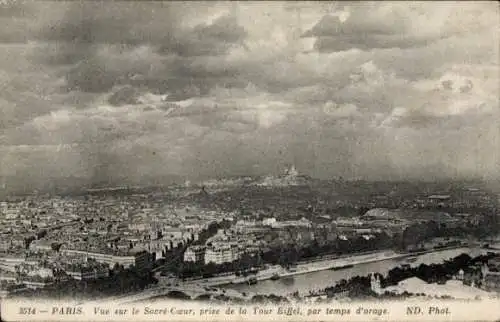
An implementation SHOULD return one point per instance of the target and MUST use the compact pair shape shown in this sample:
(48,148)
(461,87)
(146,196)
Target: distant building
(268,221)
(491,282)
(87,271)
(138,226)
(292,171)
(302,222)
(42,272)
(137,259)
(37,282)
(41,245)
(4,243)
(171,233)
(10,264)
(11,288)
(382,214)
(157,247)
(9,277)
(17,241)
(439,197)
(491,275)
(195,254)
(348,222)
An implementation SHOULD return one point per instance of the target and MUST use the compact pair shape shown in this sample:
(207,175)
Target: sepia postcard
(249,161)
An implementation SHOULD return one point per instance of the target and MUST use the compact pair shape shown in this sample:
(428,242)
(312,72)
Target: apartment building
(87,272)
(195,254)
(491,275)
(140,260)
(224,253)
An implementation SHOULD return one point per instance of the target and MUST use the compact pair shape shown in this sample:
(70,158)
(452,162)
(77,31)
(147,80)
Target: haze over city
(118,93)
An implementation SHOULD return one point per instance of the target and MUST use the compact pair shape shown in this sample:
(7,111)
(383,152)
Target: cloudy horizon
(120,93)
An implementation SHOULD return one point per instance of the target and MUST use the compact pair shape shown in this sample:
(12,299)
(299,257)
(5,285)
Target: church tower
(484,272)
(375,283)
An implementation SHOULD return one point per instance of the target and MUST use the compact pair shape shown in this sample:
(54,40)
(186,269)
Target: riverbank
(316,265)
(304,283)
(311,282)
(348,261)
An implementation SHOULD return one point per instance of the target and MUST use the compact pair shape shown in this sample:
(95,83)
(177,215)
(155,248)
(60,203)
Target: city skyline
(122,92)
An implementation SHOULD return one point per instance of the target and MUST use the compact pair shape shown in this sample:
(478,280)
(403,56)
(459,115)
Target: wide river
(319,280)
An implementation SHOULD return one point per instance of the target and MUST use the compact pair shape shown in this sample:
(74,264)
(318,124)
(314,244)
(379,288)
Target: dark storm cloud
(124,96)
(81,37)
(206,39)
(76,38)
(330,26)
(89,30)
(334,35)
(63,53)
(419,120)
(155,24)
(184,79)
(120,23)
(366,30)
(364,42)
(91,76)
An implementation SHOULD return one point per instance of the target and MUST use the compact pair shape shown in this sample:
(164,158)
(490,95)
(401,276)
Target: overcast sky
(122,92)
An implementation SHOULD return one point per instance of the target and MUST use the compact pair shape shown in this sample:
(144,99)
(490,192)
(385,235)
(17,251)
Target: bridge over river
(192,290)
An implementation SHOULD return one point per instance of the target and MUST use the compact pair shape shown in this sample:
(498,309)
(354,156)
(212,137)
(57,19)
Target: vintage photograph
(262,154)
